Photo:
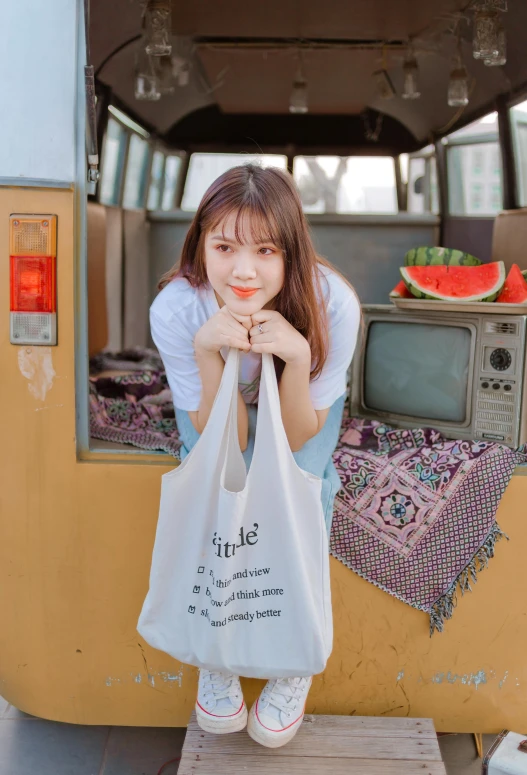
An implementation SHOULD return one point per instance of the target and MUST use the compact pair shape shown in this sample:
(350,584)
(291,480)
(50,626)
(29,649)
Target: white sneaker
(277,714)
(220,707)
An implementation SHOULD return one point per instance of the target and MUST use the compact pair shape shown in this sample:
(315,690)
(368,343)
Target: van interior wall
(367,249)
(119,291)
(136,293)
(474,235)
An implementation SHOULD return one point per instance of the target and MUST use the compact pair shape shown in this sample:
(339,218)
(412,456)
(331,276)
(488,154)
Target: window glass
(172,167)
(488,125)
(346,184)
(474,179)
(474,169)
(434,188)
(404,161)
(112,163)
(417,185)
(519,135)
(423,195)
(136,172)
(156,180)
(204,168)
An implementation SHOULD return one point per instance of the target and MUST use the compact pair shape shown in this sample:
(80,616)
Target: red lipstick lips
(244,293)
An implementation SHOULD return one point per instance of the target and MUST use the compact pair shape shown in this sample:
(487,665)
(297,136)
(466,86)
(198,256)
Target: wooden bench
(340,745)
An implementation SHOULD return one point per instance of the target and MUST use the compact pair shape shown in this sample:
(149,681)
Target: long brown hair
(268,196)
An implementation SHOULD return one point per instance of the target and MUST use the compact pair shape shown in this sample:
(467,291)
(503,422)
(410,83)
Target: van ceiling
(244,59)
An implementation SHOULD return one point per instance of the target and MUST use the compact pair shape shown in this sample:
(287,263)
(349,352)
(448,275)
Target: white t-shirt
(179,311)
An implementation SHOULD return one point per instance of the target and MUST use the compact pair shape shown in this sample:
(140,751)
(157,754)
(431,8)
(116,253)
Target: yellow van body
(77,536)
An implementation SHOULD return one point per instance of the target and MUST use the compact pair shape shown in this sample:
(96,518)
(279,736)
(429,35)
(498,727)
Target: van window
(172,168)
(518,117)
(156,180)
(474,169)
(346,184)
(136,172)
(419,172)
(113,153)
(204,168)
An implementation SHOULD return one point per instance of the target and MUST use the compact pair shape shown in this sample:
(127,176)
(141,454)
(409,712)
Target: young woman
(249,277)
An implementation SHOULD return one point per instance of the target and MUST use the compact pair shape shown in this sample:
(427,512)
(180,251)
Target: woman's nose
(244,267)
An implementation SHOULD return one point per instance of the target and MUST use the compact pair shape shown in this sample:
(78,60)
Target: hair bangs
(252,224)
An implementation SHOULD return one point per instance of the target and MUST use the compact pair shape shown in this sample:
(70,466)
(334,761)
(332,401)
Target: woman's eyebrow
(226,239)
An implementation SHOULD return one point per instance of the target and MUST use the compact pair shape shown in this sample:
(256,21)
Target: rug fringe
(444,606)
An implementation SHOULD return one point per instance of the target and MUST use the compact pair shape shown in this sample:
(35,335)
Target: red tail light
(33,284)
(33,242)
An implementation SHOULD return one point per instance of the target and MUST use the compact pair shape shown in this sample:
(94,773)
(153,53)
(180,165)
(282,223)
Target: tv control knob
(496,386)
(484,385)
(507,387)
(500,359)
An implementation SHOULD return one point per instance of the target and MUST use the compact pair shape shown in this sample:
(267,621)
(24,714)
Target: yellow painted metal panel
(77,537)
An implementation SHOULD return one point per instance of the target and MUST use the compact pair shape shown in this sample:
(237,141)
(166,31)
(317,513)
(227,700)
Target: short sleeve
(331,382)
(176,349)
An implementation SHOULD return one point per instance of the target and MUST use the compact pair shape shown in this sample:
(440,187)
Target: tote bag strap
(234,471)
(216,431)
(271,442)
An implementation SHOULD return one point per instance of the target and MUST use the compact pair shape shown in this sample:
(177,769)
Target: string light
(385,87)
(182,67)
(146,85)
(501,56)
(411,73)
(458,88)
(298,98)
(158,27)
(485,40)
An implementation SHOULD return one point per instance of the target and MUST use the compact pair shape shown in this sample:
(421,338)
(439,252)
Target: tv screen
(417,370)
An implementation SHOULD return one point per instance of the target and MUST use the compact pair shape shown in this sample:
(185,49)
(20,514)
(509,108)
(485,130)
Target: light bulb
(485,40)
(501,56)
(183,75)
(158,23)
(165,75)
(298,99)
(146,88)
(385,88)
(411,86)
(458,87)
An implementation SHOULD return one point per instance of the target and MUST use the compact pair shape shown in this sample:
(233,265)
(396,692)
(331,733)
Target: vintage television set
(463,373)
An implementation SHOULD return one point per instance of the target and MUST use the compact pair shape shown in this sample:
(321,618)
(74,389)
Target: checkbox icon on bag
(201,569)
(196,589)
(192,609)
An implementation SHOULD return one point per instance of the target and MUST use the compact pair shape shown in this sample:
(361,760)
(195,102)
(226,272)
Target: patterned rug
(134,406)
(415,515)
(416,512)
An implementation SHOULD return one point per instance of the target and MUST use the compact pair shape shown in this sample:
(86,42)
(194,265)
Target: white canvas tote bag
(240,569)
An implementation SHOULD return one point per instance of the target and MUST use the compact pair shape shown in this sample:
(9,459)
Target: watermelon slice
(455,283)
(439,256)
(401,291)
(515,289)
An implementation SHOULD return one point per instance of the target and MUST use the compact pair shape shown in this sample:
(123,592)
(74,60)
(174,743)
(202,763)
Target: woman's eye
(269,249)
(220,248)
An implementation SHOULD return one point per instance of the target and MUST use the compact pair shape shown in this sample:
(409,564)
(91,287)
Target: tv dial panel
(499,389)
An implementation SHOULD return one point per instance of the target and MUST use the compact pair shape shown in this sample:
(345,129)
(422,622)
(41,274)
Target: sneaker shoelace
(219,686)
(284,693)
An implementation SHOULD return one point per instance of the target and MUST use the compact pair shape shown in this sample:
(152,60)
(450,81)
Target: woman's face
(232,267)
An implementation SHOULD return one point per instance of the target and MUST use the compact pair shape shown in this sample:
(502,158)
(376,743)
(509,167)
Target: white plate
(461,306)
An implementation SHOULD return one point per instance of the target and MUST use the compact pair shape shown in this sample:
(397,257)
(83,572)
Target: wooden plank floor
(340,745)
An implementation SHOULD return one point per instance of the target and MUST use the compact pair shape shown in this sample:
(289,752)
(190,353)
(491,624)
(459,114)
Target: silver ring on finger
(260,329)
